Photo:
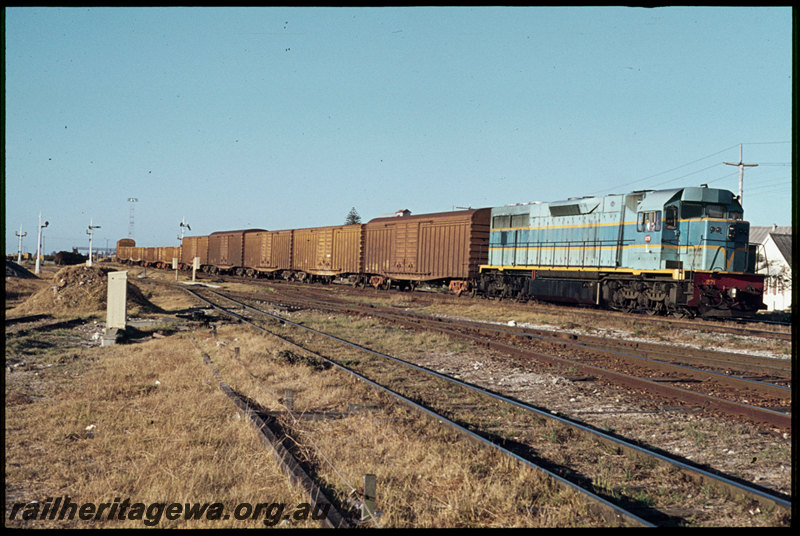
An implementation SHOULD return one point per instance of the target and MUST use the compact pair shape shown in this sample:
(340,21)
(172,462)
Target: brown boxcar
(328,251)
(268,252)
(194,246)
(136,254)
(150,256)
(444,246)
(166,254)
(124,246)
(226,250)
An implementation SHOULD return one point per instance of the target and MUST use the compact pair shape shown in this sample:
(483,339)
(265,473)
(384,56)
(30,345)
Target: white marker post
(39,244)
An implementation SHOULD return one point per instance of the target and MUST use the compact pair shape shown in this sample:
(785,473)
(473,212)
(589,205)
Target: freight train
(682,252)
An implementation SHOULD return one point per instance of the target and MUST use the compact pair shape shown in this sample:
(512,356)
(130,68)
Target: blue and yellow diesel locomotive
(682,251)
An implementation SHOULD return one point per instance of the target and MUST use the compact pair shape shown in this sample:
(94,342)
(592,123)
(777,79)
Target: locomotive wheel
(655,308)
(683,312)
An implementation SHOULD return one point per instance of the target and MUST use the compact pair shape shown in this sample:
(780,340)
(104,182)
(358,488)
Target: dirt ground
(71,302)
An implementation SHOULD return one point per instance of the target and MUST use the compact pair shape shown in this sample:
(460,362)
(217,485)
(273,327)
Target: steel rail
(608,510)
(770,388)
(644,348)
(763,415)
(333,518)
(596,344)
(765,497)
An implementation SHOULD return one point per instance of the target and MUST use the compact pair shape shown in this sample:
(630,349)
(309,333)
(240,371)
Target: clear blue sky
(282,118)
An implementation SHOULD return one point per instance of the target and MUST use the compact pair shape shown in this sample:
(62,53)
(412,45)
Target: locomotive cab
(700,234)
(696,229)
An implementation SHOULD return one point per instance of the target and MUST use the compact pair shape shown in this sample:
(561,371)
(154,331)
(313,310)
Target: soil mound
(15,270)
(82,290)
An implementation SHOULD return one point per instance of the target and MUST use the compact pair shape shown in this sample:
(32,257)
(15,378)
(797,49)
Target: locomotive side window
(671,217)
(649,221)
(501,222)
(519,220)
(691,210)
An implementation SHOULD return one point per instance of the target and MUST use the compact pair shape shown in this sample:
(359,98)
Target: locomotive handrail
(716,255)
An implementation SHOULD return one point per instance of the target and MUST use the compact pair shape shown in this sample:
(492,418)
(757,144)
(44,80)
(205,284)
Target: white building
(775,261)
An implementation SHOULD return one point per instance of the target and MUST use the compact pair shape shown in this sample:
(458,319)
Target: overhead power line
(611,188)
(670,171)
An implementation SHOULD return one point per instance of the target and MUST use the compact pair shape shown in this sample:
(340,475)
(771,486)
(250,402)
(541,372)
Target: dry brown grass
(428,475)
(180,440)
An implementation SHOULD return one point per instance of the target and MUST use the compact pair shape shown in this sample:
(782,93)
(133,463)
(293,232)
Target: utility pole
(36,270)
(90,232)
(20,234)
(741,166)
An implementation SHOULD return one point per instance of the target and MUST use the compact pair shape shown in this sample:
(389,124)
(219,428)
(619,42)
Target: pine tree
(352,217)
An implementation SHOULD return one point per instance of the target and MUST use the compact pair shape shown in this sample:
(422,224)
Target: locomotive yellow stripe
(607,224)
(676,273)
(578,269)
(576,248)
(575,226)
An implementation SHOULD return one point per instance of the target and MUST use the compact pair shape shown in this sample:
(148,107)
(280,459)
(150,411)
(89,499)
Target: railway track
(569,451)
(747,387)
(780,331)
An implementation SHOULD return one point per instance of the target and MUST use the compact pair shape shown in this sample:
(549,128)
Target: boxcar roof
(437,215)
(236,231)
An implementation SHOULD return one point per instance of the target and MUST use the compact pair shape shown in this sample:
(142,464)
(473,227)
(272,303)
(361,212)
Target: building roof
(759,234)
(784,244)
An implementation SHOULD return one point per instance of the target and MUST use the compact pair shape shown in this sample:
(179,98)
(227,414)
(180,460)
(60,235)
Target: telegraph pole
(20,234)
(36,270)
(90,232)
(741,165)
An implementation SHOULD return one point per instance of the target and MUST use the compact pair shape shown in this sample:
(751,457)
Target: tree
(352,217)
